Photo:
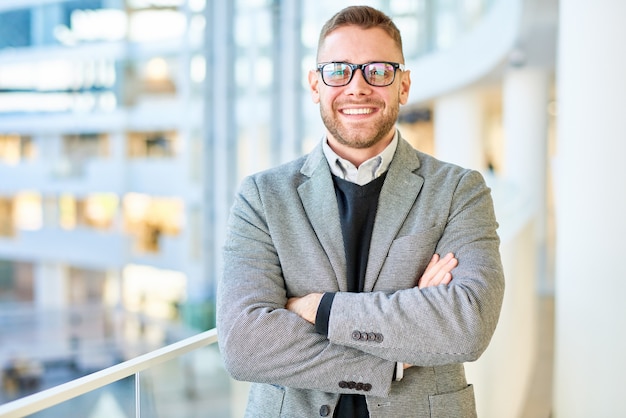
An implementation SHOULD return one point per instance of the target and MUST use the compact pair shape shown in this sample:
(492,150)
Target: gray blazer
(284,239)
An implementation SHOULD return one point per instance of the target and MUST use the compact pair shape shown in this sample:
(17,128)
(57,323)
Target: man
(334,298)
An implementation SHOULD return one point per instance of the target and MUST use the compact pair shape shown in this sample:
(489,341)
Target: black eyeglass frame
(353,67)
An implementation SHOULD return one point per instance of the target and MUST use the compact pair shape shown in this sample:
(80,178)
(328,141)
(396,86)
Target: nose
(358,86)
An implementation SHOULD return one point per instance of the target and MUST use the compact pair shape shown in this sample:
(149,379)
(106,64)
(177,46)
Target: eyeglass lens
(340,74)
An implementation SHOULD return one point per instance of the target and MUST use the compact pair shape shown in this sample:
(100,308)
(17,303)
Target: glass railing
(186,378)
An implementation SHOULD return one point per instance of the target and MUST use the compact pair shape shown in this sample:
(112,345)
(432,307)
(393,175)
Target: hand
(438,271)
(305,306)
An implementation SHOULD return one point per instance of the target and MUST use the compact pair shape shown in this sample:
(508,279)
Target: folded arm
(434,325)
(438,272)
(260,340)
(425,325)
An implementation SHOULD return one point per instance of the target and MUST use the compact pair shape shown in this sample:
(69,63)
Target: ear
(314,82)
(405,86)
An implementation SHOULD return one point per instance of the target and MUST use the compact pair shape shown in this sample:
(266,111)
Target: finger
(438,271)
(441,278)
(433,261)
(442,266)
(444,275)
(428,272)
(431,268)
(447,258)
(446,279)
(451,264)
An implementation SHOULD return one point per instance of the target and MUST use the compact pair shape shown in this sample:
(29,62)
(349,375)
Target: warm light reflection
(156,144)
(7,229)
(97,211)
(148,218)
(157,69)
(101,210)
(152,291)
(67,211)
(28,210)
(10,149)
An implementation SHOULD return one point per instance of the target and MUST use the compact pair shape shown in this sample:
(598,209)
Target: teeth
(362,111)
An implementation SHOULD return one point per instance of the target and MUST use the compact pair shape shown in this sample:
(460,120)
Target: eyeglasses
(378,74)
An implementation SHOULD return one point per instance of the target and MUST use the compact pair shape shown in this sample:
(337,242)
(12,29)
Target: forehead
(357,45)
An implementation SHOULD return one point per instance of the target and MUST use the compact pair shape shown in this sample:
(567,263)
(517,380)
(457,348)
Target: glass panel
(116,400)
(193,385)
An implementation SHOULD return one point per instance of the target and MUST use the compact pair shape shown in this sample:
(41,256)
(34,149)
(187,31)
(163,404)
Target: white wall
(590,200)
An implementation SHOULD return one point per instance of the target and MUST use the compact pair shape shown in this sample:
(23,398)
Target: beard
(364,136)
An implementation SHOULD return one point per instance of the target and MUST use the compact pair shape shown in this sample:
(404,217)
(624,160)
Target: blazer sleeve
(259,339)
(436,325)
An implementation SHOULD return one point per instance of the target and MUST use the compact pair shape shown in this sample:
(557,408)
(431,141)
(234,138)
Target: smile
(360,111)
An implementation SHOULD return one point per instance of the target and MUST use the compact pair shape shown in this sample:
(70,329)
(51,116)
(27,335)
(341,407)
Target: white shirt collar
(367,171)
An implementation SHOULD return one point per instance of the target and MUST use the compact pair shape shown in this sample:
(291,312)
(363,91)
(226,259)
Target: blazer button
(371,336)
(356,335)
(359,386)
(351,385)
(379,338)
(367,387)
(324,411)
(343,384)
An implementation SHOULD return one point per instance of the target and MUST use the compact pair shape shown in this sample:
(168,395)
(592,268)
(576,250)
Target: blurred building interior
(126,126)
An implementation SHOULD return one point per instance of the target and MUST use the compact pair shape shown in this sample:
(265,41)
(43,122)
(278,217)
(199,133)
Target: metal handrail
(58,394)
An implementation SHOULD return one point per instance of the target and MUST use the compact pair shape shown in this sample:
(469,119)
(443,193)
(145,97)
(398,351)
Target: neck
(358,156)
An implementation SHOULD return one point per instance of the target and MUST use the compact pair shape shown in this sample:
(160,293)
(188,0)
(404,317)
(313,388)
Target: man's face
(359,115)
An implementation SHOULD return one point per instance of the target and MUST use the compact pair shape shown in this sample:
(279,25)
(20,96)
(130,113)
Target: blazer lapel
(397,197)
(320,204)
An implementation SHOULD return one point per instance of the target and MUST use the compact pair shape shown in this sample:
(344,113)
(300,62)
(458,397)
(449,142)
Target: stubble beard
(359,140)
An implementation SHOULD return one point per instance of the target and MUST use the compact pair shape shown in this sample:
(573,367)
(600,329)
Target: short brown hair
(364,17)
